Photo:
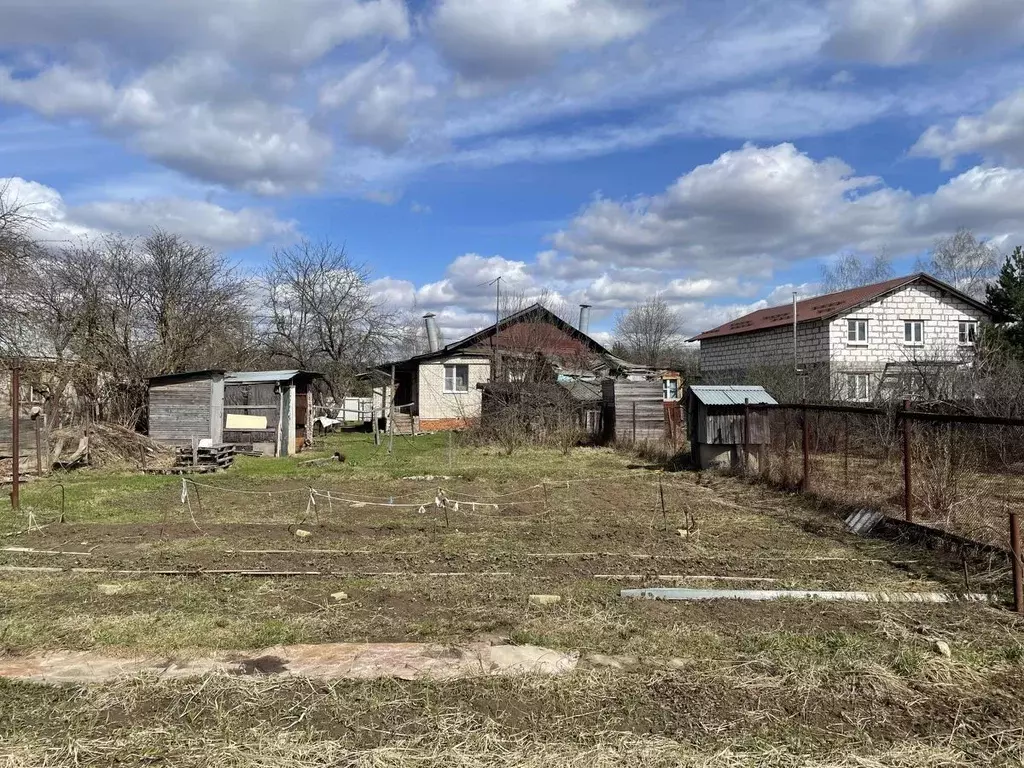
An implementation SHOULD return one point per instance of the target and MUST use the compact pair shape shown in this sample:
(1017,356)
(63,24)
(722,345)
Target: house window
(858,386)
(456,378)
(968,332)
(670,389)
(857,331)
(913,332)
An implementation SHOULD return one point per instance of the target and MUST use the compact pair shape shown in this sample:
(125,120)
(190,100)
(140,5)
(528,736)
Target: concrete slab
(333,661)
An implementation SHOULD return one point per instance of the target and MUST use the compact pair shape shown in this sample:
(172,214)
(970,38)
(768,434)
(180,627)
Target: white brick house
(898,338)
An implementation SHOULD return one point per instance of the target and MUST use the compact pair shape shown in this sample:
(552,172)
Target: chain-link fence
(954,472)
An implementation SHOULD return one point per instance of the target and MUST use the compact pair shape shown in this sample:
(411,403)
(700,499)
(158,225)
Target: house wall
(772,346)
(940,313)
(440,410)
(181,410)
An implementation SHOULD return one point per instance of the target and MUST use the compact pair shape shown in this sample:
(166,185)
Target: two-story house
(906,337)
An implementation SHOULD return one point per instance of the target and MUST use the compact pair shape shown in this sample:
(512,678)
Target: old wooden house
(721,428)
(268,410)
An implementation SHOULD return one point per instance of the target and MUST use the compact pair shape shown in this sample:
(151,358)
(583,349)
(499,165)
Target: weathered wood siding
(634,410)
(253,400)
(723,425)
(181,409)
(26,441)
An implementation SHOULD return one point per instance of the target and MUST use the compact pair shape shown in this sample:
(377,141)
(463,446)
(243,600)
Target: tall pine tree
(1006,297)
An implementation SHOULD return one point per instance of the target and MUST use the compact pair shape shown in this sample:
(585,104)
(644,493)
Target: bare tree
(323,315)
(648,332)
(852,271)
(964,262)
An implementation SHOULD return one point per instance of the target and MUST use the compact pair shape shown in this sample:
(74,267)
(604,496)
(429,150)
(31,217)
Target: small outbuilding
(268,410)
(718,425)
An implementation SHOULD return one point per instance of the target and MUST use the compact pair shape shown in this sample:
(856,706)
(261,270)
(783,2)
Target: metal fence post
(908,495)
(807,451)
(15,439)
(1018,566)
(634,421)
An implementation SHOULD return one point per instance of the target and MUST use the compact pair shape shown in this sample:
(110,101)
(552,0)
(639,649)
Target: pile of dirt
(108,446)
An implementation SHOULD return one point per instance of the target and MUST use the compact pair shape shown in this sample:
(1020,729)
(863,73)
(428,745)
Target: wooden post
(195,451)
(15,439)
(664,514)
(846,450)
(391,414)
(908,497)
(39,445)
(1018,566)
(807,450)
(634,421)
(746,434)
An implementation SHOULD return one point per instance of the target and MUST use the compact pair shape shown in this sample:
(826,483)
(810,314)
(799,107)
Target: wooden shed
(718,423)
(269,410)
(634,411)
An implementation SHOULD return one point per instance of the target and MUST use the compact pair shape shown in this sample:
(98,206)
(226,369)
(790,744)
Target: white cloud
(265,32)
(904,31)
(56,221)
(377,96)
(997,134)
(229,138)
(513,38)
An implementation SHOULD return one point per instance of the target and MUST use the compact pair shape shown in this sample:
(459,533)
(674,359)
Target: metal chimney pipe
(433,335)
(585,318)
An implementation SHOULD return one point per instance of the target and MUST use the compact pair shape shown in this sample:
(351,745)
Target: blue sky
(714,151)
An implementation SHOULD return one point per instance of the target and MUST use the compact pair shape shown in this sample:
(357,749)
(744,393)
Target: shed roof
(584,391)
(265,377)
(732,394)
(829,306)
(167,378)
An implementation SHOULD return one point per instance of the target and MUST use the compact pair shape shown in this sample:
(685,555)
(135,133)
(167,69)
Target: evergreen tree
(1006,298)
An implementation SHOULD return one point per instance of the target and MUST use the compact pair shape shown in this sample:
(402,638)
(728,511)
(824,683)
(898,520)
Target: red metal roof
(827,306)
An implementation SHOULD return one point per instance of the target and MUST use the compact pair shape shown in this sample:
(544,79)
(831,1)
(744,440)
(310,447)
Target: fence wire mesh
(964,477)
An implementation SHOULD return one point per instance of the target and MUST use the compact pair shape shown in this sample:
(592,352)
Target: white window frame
(968,329)
(909,326)
(664,389)
(451,383)
(854,382)
(854,326)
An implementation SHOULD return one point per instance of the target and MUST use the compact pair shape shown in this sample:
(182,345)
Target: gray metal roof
(584,391)
(263,377)
(732,394)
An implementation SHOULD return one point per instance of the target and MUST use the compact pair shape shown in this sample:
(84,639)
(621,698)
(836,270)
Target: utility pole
(497,320)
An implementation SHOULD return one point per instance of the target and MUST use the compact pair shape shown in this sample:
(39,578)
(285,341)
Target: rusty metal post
(807,450)
(15,439)
(1018,566)
(746,435)
(908,494)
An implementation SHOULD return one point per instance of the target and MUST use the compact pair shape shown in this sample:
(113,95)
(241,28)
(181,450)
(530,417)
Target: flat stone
(302,534)
(545,599)
(110,589)
(942,648)
(339,597)
(611,662)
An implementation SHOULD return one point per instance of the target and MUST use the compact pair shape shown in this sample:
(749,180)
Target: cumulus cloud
(186,115)
(376,97)
(513,38)
(904,31)
(265,32)
(204,222)
(998,134)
